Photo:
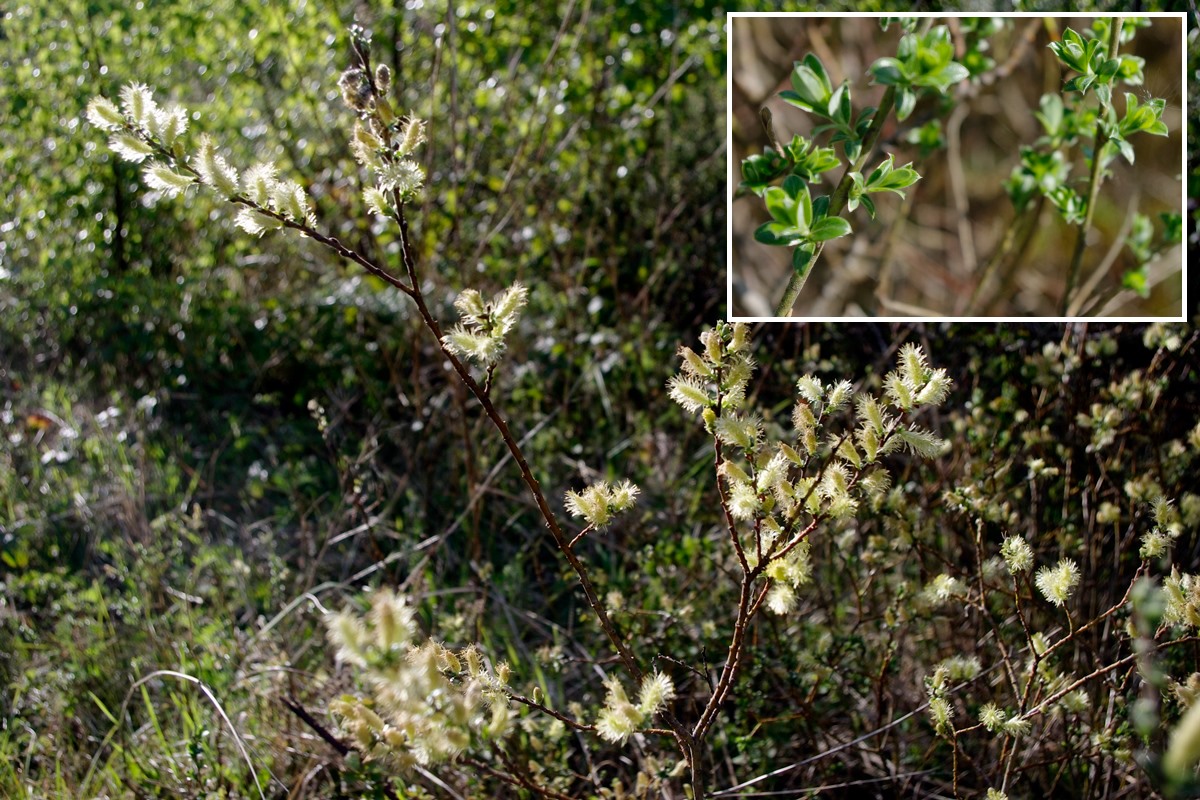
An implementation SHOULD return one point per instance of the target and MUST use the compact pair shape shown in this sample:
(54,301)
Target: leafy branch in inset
(926,61)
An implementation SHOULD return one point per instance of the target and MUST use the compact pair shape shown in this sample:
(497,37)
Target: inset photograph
(966,167)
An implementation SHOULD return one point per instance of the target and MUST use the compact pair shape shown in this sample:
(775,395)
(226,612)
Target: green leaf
(810,85)
(820,206)
(805,201)
(1131,68)
(898,179)
(945,77)
(885,178)
(829,228)
(1172,227)
(869,205)
(906,101)
(778,235)
(1137,280)
(781,205)
(802,258)
(799,102)
(1051,113)
(852,148)
(880,172)
(927,137)
(809,162)
(759,171)
(1126,149)
(839,106)
(1140,234)
(888,72)
(1108,69)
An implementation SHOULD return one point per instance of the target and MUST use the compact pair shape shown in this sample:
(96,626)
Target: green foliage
(922,61)
(959,86)
(805,224)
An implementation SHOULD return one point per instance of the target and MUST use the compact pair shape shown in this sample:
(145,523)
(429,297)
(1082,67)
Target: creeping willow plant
(427,704)
(1076,127)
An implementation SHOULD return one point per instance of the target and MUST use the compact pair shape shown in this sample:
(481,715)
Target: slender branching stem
(529,701)
(838,201)
(1094,181)
(748,606)
(551,522)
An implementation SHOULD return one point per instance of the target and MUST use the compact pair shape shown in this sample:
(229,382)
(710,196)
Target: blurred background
(924,255)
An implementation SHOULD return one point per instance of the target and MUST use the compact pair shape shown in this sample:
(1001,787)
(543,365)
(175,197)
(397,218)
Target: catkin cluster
(428,703)
(775,492)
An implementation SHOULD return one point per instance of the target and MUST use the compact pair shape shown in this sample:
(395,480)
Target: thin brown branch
(568,721)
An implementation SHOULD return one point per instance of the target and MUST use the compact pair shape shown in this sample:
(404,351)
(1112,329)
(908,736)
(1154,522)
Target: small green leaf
(906,101)
(799,102)
(1131,68)
(1126,149)
(759,171)
(840,110)
(820,206)
(880,172)
(793,186)
(810,85)
(805,201)
(1108,69)
(781,205)
(897,180)
(888,72)
(778,235)
(829,228)
(801,259)
(1137,280)
(1140,234)
(1172,227)
(1051,114)
(869,205)
(945,77)
(852,148)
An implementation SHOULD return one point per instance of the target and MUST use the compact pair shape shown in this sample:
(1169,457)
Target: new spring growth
(428,703)
(598,503)
(1168,524)
(480,334)
(1182,595)
(621,718)
(1058,582)
(141,129)
(723,372)
(996,720)
(771,486)
(1017,554)
(938,684)
(381,143)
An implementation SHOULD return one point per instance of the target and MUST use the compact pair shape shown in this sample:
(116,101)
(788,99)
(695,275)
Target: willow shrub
(1057,610)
